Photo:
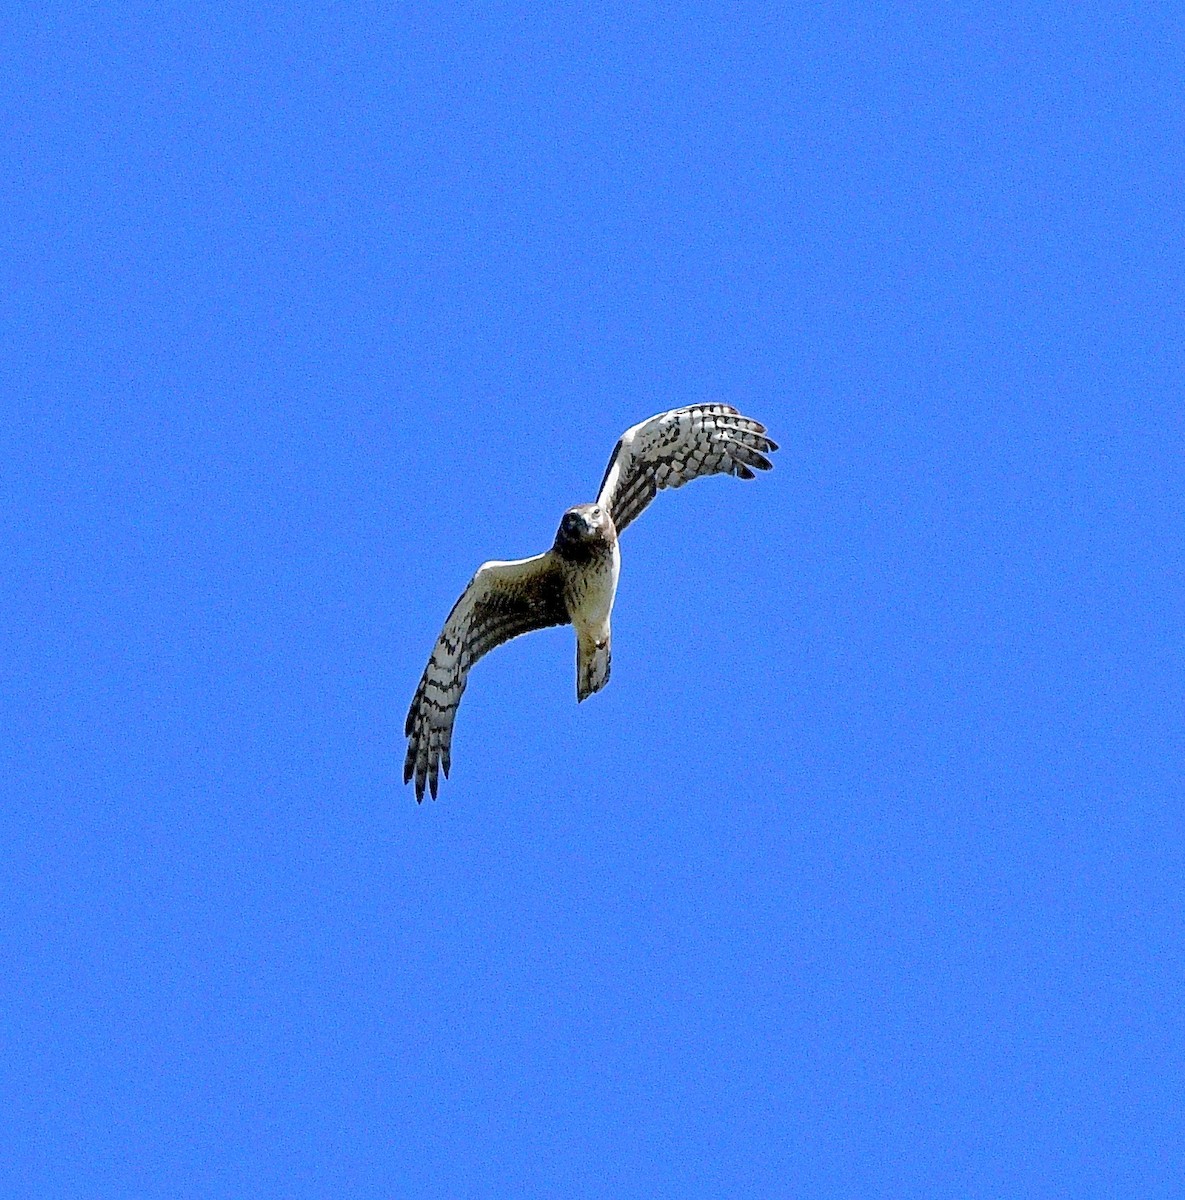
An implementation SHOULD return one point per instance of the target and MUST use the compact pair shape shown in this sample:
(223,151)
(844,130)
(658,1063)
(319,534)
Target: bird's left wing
(502,601)
(677,446)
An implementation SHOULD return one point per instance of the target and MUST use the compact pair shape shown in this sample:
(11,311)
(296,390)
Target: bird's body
(590,565)
(574,582)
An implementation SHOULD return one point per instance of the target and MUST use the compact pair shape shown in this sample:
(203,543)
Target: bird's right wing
(502,601)
(677,446)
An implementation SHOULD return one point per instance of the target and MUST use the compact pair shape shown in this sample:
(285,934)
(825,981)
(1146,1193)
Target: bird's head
(584,525)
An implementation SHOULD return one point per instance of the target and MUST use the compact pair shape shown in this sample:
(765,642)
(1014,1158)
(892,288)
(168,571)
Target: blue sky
(863,875)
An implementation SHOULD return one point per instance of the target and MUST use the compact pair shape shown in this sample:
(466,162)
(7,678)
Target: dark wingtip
(407,772)
(772,445)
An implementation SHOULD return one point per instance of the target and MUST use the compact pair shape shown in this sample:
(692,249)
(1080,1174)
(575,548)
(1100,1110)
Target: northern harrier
(574,582)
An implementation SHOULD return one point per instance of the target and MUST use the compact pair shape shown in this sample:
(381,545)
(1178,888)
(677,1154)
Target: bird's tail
(592,665)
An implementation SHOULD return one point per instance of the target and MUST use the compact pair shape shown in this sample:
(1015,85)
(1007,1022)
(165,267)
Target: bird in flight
(574,582)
